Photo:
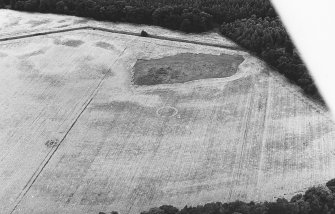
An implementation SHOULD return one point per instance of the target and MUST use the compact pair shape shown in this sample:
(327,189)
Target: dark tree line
(253,24)
(268,39)
(316,200)
(185,15)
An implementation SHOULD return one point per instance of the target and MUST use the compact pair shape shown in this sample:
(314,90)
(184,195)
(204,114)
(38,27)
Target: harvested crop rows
(78,136)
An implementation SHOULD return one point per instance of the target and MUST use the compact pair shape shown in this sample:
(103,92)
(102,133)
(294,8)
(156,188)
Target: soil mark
(35,23)
(104,45)
(69,43)
(185,67)
(34,53)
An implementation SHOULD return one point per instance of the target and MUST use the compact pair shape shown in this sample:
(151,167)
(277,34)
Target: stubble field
(79,136)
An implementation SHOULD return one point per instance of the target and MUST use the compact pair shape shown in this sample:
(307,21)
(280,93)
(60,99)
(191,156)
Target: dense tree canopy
(316,200)
(253,24)
(188,15)
(268,39)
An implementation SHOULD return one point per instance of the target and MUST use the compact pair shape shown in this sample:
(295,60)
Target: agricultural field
(79,134)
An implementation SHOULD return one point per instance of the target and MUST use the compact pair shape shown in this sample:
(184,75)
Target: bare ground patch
(69,43)
(34,53)
(35,23)
(81,21)
(29,72)
(104,45)
(185,67)
(63,26)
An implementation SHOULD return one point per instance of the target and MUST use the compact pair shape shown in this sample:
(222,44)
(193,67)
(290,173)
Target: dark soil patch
(167,111)
(185,67)
(52,143)
(69,43)
(104,45)
(241,86)
(34,53)
(73,43)
(35,23)
(31,74)
(62,26)
(81,21)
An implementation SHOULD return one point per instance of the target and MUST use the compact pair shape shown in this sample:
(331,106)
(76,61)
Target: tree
(19,5)
(81,9)
(137,15)
(70,5)
(168,209)
(144,33)
(31,5)
(289,47)
(331,185)
(43,7)
(61,7)
(160,14)
(12,4)
(196,23)
(112,13)
(173,21)
(186,26)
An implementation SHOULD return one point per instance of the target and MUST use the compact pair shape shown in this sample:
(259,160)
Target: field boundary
(88,27)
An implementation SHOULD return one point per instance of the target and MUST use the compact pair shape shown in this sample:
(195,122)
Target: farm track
(264,138)
(242,141)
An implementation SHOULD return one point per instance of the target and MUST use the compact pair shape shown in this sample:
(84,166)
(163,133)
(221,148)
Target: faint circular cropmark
(167,111)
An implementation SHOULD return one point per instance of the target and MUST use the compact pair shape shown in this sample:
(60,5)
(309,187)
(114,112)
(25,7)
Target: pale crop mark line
(264,136)
(50,154)
(170,101)
(245,121)
(245,131)
(48,157)
(115,119)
